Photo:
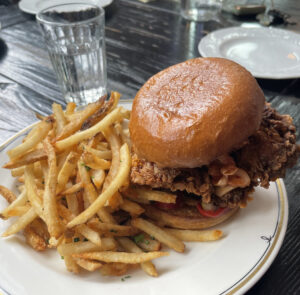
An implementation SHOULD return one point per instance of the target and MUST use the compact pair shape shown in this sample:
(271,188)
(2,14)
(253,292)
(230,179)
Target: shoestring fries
(145,196)
(159,234)
(75,196)
(37,134)
(195,235)
(130,246)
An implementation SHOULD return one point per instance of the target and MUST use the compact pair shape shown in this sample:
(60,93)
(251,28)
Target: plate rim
(202,50)
(260,267)
(273,248)
(34,12)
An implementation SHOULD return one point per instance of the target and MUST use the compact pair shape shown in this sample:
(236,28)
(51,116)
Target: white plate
(230,266)
(34,6)
(265,52)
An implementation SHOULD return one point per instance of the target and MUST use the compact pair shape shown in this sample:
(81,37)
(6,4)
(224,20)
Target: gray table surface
(141,40)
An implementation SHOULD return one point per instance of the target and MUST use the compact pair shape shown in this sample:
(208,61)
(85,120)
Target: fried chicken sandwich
(203,130)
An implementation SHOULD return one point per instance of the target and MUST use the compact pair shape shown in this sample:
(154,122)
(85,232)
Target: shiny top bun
(190,113)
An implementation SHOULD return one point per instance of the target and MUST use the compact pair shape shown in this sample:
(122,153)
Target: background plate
(34,6)
(252,239)
(265,52)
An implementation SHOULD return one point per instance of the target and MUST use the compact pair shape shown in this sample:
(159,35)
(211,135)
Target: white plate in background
(232,265)
(265,52)
(34,6)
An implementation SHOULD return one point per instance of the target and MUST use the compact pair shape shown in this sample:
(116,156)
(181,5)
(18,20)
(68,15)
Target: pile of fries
(75,196)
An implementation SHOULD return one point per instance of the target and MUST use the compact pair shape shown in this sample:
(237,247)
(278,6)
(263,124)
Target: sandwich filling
(228,181)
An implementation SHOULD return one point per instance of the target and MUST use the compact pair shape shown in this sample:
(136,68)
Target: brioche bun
(190,113)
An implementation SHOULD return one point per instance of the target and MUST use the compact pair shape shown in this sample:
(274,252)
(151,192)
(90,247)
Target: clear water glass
(75,39)
(200,10)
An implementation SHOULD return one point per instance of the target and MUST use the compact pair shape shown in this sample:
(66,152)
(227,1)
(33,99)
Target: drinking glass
(200,10)
(75,39)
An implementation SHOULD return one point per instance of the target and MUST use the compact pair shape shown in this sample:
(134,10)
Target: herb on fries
(75,195)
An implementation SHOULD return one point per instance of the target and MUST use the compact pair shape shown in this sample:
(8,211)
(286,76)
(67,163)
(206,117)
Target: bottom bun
(166,218)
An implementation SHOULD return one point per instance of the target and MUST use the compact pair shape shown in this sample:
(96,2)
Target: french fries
(82,135)
(105,216)
(89,234)
(83,247)
(17,171)
(112,229)
(73,189)
(21,223)
(159,234)
(7,194)
(88,264)
(50,209)
(34,240)
(66,170)
(75,194)
(97,177)
(71,264)
(40,132)
(32,194)
(130,246)
(113,187)
(146,242)
(60,119)
(71,106)
(195,235)
(114,269)
(115,145)
(132,208)
(72,203)
(144,196)
(76,120)
(26,159)
(17,211)
(95,162)
(40,228)
(106,155)
(123,257)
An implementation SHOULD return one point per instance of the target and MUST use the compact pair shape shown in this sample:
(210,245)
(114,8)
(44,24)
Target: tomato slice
(210,213)
(169,206)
